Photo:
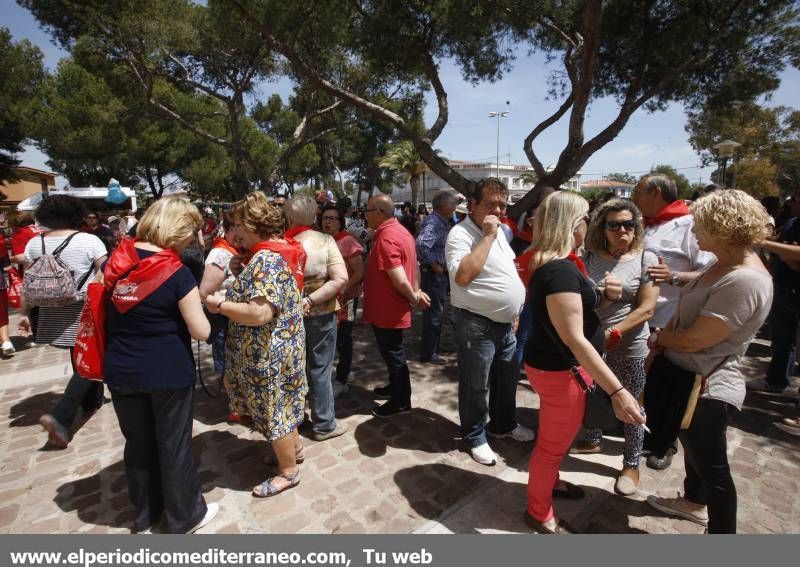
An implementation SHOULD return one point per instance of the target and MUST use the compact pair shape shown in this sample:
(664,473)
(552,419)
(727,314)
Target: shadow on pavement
(28,411)
(421,430)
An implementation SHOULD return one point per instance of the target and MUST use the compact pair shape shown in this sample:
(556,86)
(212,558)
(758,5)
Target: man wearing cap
(433,266)
(486,295)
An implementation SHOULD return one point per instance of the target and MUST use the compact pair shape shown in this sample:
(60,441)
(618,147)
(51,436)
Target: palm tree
(403,159)
(529,178)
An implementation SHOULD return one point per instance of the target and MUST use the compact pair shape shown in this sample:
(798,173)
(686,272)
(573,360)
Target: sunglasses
(614,226)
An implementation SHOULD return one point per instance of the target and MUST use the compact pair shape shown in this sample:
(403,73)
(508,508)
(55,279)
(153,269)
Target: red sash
(292,251)
(578,262)
(295,230)
(220,242)
(130,280)
(674,210)
(341,234)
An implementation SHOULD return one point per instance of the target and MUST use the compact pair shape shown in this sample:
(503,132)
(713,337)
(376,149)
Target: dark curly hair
(59,212)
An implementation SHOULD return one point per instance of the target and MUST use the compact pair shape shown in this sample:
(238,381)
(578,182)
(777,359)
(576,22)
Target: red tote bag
(90,342)
(14,288)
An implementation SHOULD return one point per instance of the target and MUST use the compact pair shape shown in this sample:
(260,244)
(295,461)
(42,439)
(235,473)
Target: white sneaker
(211,511)
(519,433)
(484,455)
(8,348)
(339,388)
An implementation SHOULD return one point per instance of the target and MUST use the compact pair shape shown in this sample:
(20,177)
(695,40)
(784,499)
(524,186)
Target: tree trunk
(413,180)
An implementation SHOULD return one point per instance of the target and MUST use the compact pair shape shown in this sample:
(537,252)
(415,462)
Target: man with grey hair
(390,292)
(668,234)
(430,251)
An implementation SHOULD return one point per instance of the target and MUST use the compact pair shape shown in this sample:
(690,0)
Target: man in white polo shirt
(668,234)
(486,295)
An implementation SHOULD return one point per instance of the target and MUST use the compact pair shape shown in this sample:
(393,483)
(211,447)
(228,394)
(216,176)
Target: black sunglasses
(614,226)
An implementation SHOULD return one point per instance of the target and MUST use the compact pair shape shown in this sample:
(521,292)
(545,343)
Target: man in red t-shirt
(390,291)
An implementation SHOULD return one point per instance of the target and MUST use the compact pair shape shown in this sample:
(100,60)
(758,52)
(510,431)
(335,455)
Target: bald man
(390,293)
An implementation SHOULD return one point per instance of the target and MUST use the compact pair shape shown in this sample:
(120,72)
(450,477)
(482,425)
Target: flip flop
(266,488)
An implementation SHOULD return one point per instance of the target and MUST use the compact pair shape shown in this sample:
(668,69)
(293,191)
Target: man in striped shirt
(430,251)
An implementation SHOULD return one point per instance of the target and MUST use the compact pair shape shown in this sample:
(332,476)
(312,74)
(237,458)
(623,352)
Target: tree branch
(432,72)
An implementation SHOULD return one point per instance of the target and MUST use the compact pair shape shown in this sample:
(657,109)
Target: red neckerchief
(674,210)
(292,251)
(578,262)
(220,242)
(341,234)
(131,280)
(295,230)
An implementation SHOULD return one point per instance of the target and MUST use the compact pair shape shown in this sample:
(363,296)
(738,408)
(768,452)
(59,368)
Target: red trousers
(561,407)
(3,306)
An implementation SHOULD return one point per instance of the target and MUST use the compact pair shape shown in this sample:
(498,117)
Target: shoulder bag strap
(42,237)
(57,252)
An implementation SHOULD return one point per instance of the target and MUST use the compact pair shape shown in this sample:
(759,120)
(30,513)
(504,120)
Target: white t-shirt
(497,292)
(674,241)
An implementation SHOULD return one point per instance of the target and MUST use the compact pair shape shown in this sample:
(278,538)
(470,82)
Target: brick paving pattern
(394,475)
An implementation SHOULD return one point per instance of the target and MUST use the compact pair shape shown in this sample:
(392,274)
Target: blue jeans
(219,333)
(79,393)
(390,345)
(320,350)
(523,332)
(783,328)
(435,285)
(487,376)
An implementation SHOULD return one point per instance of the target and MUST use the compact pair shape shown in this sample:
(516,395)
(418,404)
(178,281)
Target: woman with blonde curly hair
(568,334)
(153,313)
(265,348)
(718,315)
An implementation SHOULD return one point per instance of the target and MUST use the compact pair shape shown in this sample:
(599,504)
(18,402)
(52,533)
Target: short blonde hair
(257,215)
(168,222)
(554,224)
(300,211)
(732,216)
(596,235)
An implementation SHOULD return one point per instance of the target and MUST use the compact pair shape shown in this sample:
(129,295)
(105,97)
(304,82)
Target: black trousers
(344,346)
(708,476)
(390,345)
(79,393)
(162,474)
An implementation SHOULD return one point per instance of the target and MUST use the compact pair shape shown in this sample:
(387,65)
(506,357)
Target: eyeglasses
(614,226)
(329,219)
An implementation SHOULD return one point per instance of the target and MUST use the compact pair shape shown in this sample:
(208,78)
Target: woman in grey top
(615,245)
(717,317)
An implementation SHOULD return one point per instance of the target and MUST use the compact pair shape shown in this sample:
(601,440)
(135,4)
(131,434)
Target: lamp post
(725,151)
(499,115)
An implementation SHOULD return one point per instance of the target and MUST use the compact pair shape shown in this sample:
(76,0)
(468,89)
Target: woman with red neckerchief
(217,276)
(325,274)
(333,223)
(265,349)
(154,311)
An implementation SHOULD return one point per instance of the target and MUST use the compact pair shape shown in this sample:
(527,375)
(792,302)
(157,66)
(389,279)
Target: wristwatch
(673,279)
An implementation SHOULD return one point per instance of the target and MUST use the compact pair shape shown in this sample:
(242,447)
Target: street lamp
(725,151)
(499,115)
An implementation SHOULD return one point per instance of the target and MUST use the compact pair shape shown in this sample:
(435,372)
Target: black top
(783,275)
(545,350)
(149,347)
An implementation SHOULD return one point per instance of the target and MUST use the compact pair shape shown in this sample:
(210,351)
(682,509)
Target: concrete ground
(399,475)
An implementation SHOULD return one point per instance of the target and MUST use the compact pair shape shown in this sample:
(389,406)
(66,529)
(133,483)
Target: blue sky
(470,134)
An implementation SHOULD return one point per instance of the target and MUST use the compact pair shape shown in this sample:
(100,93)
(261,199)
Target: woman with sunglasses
(615,245)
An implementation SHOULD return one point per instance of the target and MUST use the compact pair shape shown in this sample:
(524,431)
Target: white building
(509,174)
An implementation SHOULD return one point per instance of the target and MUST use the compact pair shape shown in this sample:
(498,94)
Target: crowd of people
(650,300)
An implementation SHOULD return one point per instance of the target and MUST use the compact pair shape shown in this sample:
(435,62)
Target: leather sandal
(569,492)
(266,488)
(562,527)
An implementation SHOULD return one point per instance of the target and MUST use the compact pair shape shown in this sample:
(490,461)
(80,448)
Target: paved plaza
(406,474)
